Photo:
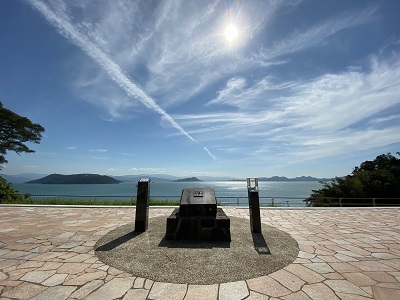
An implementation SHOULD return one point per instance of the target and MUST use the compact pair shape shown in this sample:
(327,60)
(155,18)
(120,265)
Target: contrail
(115,72)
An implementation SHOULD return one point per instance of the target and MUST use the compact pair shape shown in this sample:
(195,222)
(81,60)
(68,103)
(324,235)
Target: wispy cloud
(98,150)
(60,20)
(71,147)
(309,119)
(302,40)
(149,170)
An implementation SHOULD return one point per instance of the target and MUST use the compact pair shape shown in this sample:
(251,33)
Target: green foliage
(8,193)
(379,178)
(15,131)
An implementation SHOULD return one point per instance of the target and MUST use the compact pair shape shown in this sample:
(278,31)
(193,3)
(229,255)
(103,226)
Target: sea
(278,193)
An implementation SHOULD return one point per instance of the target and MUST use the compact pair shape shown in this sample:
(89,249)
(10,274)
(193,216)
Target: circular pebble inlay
(150,255)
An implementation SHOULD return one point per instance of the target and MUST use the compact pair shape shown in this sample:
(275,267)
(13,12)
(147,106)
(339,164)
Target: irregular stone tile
(8,263)
(54,280)
(37,276)
(394,263)
(344,296)
(268,286)
(306,255)
(50,266)
(202,292)
(385,293)
(288,280)
(344,267)
(333,276)
(85,278)
(65,235)
(79,258)
(254,296)
(359,279)
(114,271)
(148,284)
(56,292)
(91,260)
(162,290)
(25,290)
(103,268)
(139,283)
(358,250)
(136,294)
(319,291)
(350,253)
(66,256)
(70,244)
(320,268)
(233,290)
(344,258)
(344,286)
(31,264)
(300,295)
(304,273)
(87,289)
(3,276)
(372,266)
(72,268)
(125,274)
(115,288)
(390,285)
(9,284)
(48,256)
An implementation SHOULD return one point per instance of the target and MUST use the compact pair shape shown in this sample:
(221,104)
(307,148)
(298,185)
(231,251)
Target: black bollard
(142,205)
(254,205)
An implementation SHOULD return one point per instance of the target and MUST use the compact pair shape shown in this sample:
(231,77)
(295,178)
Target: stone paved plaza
(47,253)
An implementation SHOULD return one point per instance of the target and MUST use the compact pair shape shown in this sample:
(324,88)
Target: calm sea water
(226,191)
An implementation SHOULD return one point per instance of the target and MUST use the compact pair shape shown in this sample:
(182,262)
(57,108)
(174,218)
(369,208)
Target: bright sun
(231,33)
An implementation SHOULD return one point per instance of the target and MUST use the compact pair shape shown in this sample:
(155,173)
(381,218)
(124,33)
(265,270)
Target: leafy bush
(7,192)
(379,178)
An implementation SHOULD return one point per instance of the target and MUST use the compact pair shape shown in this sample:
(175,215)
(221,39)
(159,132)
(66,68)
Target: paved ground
(47,253)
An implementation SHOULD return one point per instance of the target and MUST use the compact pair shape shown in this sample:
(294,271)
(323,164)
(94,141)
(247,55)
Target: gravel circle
(150,255)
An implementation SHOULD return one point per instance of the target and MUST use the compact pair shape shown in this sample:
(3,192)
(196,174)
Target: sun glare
(231,33)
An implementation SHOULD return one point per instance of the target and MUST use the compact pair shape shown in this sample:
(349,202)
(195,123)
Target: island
(190,179)
(76,179)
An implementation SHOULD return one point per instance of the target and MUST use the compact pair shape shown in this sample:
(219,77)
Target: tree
(379,178)
(7,192)
(15,131)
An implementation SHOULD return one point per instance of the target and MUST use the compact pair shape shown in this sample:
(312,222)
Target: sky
(194,88)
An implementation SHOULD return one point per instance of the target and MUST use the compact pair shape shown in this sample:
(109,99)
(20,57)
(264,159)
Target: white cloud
(312,119)
(148,170)
(59,19)
(71,147)
(98,150)
(302,40)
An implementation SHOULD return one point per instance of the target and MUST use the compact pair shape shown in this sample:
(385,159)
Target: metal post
(254,205)
(142,205)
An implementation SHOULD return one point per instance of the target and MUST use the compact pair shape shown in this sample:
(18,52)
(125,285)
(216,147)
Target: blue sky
(132,87)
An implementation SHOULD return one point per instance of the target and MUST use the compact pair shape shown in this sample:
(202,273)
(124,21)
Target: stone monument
(142,205)
(254,205)
(198,218)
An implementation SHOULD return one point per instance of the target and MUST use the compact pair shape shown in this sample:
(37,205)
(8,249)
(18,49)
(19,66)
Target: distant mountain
(21,178)
(283,178)
(190,179)
(75,179)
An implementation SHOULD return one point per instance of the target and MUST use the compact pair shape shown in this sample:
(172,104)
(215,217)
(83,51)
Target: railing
(280,201)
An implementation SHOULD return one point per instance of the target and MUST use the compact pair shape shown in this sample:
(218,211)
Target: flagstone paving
(47,253)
